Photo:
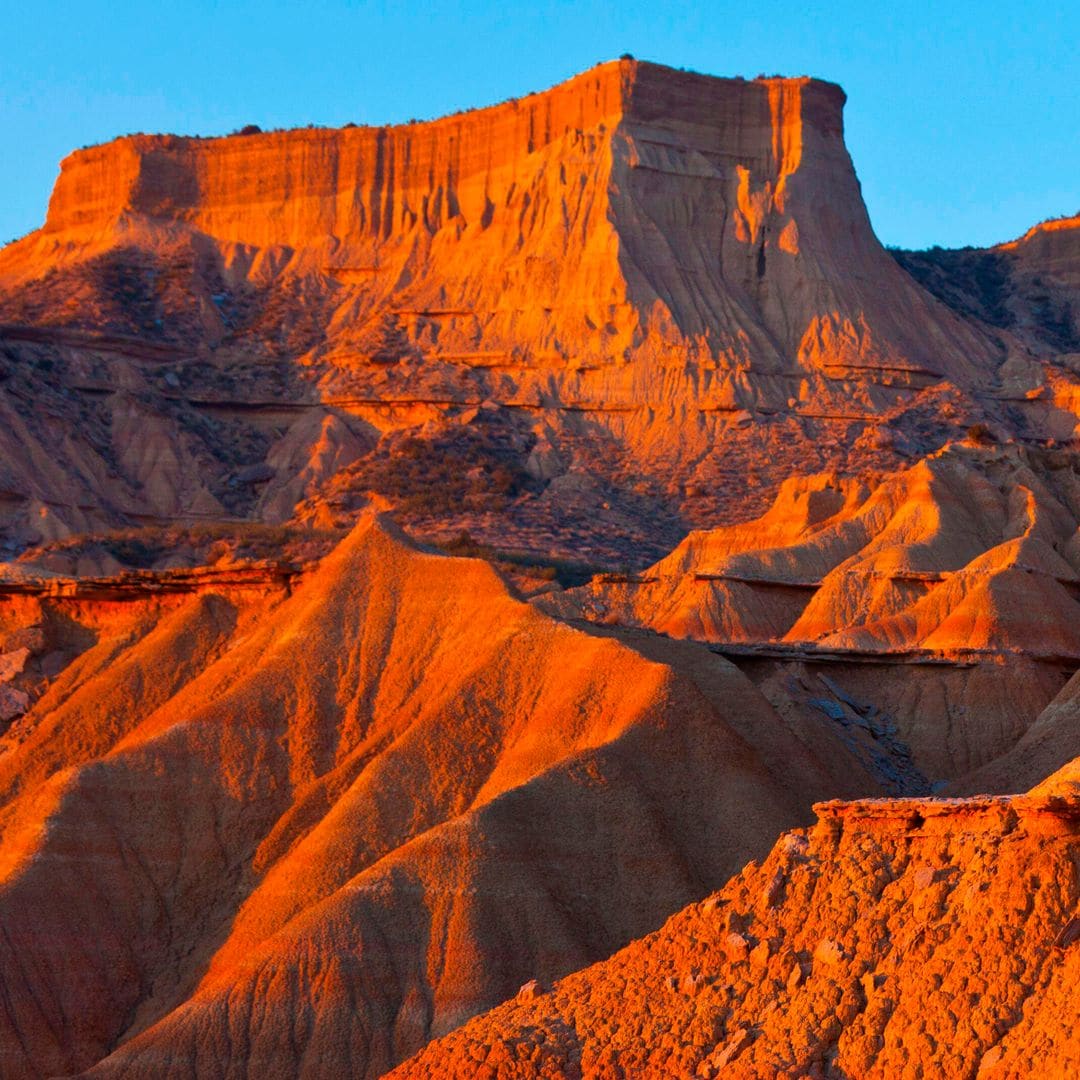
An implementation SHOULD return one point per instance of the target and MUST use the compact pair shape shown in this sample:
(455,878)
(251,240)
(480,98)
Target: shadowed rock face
(662,282)
(892,936)
(1027,286)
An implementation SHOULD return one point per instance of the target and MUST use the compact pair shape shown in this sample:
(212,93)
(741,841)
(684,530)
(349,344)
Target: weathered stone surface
(987,985)
(268,810)
(386,778)
(13,702)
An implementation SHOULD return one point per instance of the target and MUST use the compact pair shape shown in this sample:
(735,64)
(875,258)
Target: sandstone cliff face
(248,833)
(666,282)
(267,819)
(893,938)
(630,203)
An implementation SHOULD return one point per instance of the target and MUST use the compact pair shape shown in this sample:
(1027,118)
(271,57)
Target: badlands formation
(571,299)
(440,554)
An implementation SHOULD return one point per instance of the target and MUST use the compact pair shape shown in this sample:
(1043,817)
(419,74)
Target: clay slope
(262,837)
(972,550)
(893,938)
(659,282)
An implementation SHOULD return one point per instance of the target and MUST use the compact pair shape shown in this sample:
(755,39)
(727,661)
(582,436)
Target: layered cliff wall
(303,186)
(630,200)
(665,279)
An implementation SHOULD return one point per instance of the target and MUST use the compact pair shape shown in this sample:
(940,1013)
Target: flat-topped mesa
(303,186)
(631,208)
(675,256)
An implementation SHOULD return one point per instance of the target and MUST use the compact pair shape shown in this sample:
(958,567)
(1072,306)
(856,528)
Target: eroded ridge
(369,804)
(969,552)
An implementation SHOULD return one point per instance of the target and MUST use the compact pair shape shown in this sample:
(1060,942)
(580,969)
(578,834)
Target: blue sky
(963,119)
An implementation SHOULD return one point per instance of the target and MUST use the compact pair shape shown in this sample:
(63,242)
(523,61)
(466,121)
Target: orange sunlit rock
(970,551)
(890,938)
(637,267)
(346,787)
(436,555)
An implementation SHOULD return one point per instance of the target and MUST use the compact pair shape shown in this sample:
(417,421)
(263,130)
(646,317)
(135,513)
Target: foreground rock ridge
(892,938)
(439,554)
(369,808)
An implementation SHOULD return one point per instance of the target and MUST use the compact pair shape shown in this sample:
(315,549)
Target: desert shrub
(465,546)
(478,466)
(568,573)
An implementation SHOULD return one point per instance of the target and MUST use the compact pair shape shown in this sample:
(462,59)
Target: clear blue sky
(963,119)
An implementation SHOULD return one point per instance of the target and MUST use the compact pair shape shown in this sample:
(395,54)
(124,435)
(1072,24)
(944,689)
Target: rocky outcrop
(892,937)
(1027,286)
(57,632)
(372,801)
(264,812)
(140,584)
(941,600)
